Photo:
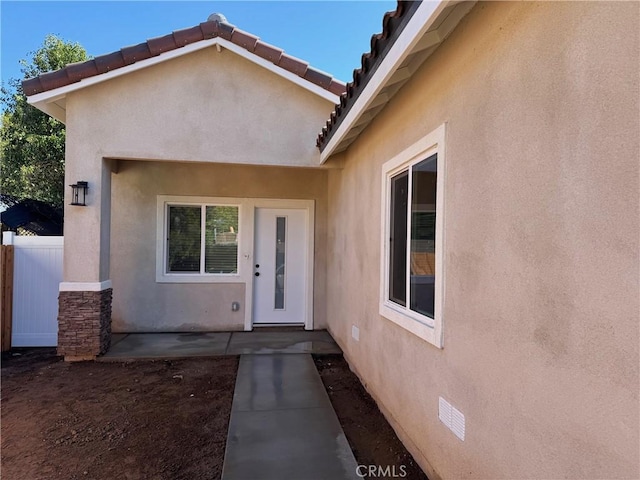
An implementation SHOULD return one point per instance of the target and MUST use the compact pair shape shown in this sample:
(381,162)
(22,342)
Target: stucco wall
(207,106)
(201,107)
(143,305)
(541,247)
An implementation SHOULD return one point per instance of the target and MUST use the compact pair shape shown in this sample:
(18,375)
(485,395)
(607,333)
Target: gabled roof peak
(218,27)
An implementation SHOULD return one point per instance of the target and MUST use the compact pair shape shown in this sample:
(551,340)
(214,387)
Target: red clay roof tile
(160,45)
(319,78)
(156,46)
(188,35)
(336,88)
(293,64)
(56,79)
(244,40)
(268,52)
(225,30)
(78,71)
(106,63)
(209,29)
(135,53)
(33,87)
(392,25)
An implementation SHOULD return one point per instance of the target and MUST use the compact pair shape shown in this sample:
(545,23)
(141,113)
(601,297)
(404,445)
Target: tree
(31,142)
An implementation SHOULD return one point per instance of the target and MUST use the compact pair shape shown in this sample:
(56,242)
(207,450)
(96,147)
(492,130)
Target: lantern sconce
(79,193)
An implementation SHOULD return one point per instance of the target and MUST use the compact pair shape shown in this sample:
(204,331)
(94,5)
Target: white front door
(280,266)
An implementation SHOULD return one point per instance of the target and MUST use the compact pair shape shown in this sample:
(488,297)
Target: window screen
(423,236)
(221,253)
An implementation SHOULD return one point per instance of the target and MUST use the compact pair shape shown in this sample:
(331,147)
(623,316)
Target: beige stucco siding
(541,323)
(201,107)
(139,302)
(205,107)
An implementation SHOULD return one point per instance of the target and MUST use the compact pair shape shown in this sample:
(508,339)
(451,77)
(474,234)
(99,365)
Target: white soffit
(429,26)
(53,101)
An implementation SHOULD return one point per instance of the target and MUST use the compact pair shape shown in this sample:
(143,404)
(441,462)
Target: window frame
(162,245)
(429,329)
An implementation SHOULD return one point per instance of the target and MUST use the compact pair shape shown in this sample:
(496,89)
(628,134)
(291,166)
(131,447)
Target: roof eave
(52,108)
(414,36)
(45,101)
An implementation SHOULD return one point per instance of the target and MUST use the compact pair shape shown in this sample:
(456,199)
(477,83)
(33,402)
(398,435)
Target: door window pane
(281,243)
(398,239)
(183,253)
(221,240)
(423,236)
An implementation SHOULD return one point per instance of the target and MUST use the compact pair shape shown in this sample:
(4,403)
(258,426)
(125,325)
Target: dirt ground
(153,419)
(141,420)
(372,439)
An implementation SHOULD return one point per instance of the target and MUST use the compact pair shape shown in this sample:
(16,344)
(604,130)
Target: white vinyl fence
(36,279)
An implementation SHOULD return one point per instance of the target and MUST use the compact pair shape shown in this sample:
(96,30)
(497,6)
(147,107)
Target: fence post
(6,296)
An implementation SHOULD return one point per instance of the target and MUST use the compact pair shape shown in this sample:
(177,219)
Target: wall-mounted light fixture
(79,193)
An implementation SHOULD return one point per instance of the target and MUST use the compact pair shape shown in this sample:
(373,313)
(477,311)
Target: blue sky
(330,35)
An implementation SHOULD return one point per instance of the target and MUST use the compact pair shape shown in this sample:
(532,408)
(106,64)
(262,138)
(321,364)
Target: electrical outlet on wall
(355,333)
(451,417)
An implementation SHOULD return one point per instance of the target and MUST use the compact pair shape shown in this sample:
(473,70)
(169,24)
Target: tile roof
(392,25)
(153,47)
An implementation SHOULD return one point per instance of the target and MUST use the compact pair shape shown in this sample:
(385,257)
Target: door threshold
(279,327)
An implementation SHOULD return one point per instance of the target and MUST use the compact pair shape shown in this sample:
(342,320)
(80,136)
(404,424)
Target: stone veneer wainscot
(84,324)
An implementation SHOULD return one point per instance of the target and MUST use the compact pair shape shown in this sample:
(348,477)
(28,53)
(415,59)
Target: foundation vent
(451,417)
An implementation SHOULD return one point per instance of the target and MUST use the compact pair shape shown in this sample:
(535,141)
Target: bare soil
(373,441)
(138,420)
(165,419)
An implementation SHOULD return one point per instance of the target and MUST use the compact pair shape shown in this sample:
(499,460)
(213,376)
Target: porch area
(282,423)
(151,346)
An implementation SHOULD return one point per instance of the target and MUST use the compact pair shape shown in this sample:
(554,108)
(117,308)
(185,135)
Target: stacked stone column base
(84,324)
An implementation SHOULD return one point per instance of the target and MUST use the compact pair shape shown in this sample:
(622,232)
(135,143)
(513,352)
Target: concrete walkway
(283,425)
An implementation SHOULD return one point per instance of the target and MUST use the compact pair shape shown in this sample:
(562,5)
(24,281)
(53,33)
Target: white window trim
(429,329)
(162,276)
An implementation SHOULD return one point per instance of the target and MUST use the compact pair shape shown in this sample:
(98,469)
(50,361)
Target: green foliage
(184,238)
(31,142)
(221,244)
(220,220)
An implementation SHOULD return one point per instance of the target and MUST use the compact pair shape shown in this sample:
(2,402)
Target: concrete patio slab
(139,346)
(276,432)
(168,345)
(269,342)
(116,337)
